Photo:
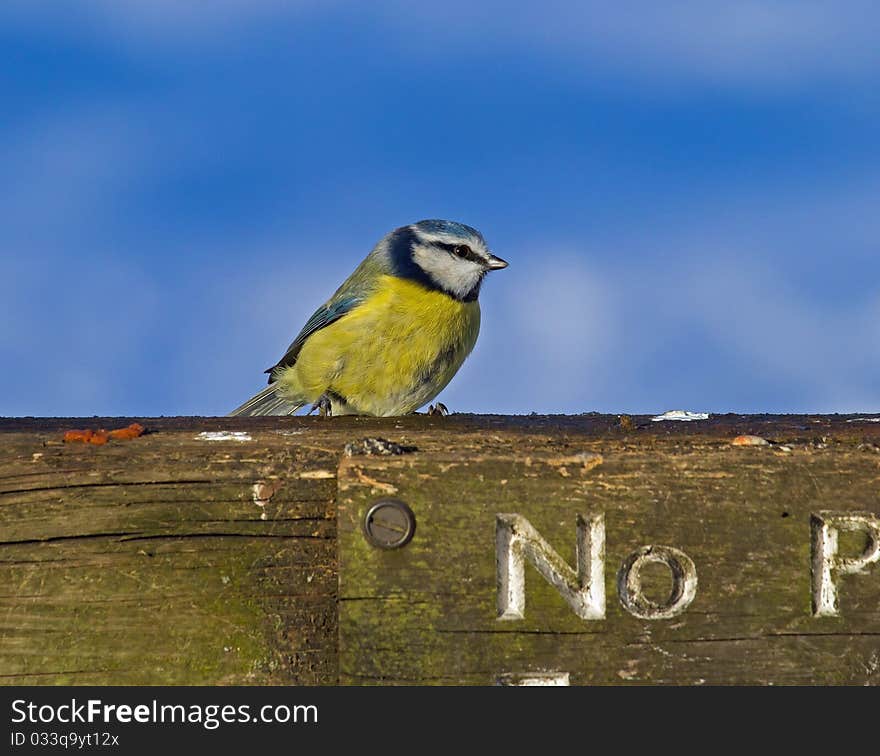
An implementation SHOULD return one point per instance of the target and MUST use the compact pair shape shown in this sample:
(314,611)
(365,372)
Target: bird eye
(460,250)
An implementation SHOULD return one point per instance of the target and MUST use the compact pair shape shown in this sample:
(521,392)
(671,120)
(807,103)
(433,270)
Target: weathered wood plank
(427,612)
(150,562)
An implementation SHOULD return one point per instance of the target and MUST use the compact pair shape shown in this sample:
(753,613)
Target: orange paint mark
(100,437)
(132,431)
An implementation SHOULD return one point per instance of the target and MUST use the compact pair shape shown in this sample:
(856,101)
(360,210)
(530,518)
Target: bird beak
(495,263)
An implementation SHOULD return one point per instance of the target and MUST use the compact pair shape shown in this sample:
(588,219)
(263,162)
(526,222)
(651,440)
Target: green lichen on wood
(428,610)
(152,564)
(149,561)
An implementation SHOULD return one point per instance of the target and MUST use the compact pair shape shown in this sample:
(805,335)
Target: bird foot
(324,406)
(438,409)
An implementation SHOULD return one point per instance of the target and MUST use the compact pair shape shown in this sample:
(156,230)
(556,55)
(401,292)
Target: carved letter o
(684,582)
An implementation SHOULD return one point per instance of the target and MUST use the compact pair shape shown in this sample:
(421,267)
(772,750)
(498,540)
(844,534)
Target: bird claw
(324,406)
(439,410)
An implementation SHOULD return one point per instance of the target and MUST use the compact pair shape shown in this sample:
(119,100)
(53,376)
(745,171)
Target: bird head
(445,255)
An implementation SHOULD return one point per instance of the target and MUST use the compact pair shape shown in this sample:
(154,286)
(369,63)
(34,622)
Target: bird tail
(267,402)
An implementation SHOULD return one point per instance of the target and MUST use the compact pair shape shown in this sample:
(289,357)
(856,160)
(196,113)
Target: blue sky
(687,193)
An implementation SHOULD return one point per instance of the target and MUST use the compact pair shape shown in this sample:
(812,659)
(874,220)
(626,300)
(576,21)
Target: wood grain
(148,562)
(151,561)
(427,612)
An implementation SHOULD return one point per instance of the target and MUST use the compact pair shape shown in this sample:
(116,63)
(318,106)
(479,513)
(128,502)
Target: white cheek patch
(455,275)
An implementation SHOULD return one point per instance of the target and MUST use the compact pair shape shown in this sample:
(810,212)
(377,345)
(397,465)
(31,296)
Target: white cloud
(74,337)
(561,332)
(545,337)
(828,356)
(757,44)
(710,312)
(148,22)
(58,171)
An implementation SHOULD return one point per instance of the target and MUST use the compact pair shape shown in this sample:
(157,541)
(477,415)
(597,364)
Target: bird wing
(325,315)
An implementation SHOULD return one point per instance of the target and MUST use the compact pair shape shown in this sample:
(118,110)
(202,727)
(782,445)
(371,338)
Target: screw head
(389,524)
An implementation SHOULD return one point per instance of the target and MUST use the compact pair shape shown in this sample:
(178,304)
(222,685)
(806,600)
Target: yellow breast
(391,354)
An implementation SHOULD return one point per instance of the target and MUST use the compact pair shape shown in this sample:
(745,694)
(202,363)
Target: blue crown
(448,227)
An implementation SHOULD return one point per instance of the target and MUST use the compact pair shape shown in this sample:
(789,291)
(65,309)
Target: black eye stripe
(469,254)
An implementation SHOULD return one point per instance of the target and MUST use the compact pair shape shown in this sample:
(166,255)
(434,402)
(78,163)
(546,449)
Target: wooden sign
(440,550)
(680,561)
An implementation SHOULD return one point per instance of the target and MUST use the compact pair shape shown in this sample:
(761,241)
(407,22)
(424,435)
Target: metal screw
(389,524)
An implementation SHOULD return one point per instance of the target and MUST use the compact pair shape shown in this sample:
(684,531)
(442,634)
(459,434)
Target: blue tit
(394,334)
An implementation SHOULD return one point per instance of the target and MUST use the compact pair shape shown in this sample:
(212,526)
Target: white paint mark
(828,565)
(684,582)
(541,678)
(681,415)
(864,420)
(224,436)
(517,541)
(263,491)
